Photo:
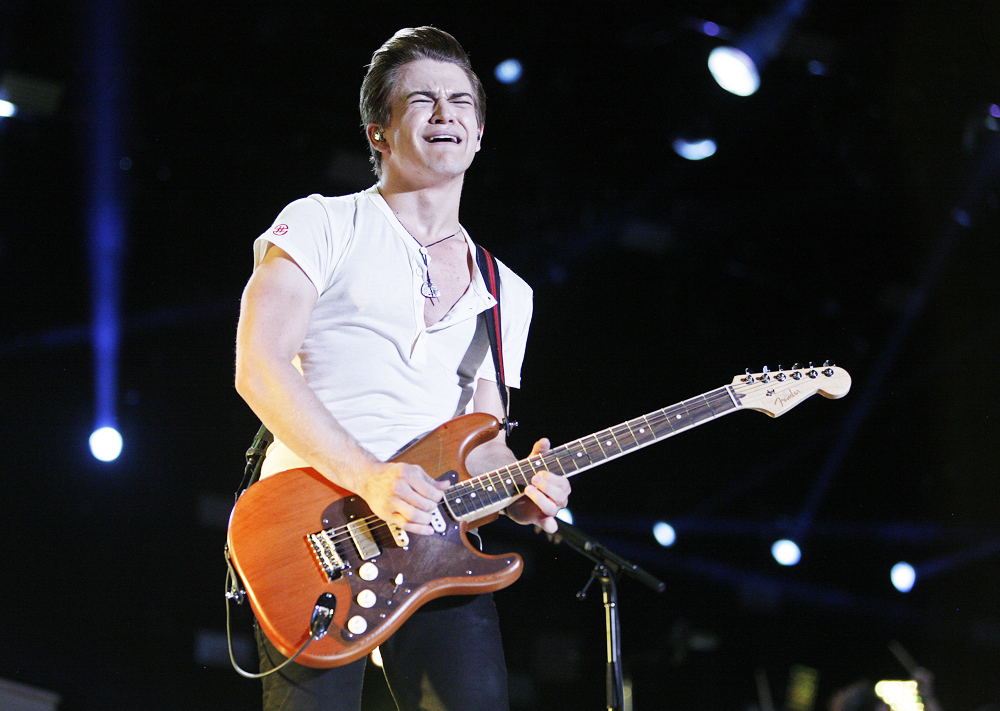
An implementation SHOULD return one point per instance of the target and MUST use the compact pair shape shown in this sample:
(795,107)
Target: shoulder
(512,284)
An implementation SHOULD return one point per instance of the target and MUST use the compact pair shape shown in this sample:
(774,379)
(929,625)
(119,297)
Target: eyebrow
(431,95)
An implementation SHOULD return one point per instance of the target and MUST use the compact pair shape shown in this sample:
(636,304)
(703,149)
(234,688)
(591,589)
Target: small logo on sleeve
(280,229)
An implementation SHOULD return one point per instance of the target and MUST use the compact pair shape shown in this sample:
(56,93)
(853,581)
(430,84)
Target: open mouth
(443,139)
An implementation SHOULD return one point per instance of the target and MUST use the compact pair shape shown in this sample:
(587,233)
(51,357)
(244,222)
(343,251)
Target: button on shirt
(367,353)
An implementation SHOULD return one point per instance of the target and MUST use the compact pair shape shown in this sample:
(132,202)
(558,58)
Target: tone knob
(357,624)
(366,599)
(368,571)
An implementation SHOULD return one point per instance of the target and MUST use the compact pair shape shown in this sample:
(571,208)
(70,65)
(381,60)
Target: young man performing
(358,334)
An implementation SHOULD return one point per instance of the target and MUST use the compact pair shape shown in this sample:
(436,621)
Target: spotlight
(903,577)
(737,67)
(734,70)
(786,552)
(664,534)
(694,150)
(106,444)
(508,71)
(7,109)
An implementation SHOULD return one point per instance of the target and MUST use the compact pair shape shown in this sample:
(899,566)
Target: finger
(547,506)
(419,528)
(553,486)
(541,447)
(429,487)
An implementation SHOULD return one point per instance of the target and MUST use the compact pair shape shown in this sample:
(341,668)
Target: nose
(444,112)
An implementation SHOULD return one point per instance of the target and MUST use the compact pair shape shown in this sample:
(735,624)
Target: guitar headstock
(777,392)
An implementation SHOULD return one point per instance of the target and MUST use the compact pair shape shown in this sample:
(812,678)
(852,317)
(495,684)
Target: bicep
(487,399)
(276,307)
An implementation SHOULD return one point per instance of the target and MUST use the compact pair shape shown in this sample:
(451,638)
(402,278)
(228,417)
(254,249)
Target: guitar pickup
(325,552)
(399,535)
(363,539)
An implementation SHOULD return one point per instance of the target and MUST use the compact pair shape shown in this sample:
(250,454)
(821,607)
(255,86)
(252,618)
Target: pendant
(428,290)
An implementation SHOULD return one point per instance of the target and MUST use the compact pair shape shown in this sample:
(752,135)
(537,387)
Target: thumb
(541,446)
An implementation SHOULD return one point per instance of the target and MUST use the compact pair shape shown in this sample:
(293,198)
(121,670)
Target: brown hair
(409,45)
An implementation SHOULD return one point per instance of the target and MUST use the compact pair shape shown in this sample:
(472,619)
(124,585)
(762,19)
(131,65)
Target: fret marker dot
(608,443)
(489,488)
(472,496)
(642,430)
(678,417)
(579,454)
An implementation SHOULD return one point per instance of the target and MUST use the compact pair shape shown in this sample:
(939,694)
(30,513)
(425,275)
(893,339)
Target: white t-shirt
(385,376)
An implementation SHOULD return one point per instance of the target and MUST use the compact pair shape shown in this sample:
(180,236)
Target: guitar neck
(490,492)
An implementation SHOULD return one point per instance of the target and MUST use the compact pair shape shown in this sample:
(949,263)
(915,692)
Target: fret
(623,435)
(551,456)
(642,430)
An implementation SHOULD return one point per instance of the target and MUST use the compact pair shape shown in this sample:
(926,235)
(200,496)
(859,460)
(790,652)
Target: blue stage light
(508,71)
(664,534)
(106,444)
(903,577)
(786,552)
(694,150)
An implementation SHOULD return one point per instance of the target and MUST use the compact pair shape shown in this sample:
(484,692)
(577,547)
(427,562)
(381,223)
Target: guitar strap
(488,266)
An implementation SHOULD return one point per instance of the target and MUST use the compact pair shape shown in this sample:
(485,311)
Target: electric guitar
(302,544)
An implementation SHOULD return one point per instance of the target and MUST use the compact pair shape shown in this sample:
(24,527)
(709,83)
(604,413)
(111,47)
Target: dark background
(824,228)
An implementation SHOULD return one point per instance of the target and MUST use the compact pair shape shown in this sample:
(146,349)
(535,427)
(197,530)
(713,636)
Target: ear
(479,137)
(376,138)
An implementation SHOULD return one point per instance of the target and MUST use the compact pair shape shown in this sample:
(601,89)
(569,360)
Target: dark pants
(446,657)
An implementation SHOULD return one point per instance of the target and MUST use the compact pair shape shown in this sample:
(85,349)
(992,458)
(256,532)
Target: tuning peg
(749,378)
(780,377)
(765,377)
(796,366)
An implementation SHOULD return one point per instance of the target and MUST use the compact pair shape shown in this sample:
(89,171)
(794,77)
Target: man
(358,333)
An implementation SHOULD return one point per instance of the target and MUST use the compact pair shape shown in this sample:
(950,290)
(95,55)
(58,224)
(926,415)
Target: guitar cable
(322,616)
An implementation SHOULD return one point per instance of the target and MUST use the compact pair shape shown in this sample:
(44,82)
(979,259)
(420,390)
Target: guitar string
(655,420)
(488,481)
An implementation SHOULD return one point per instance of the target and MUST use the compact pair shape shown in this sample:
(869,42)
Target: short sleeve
(313,231)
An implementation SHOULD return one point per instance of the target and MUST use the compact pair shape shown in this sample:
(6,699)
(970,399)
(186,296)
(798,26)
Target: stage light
(786,552)
(899,695)
(737,67)
(7,109)
(694,150)
(903,577)
(664,534)
(816,68)
(508,71)
(734,70)
(106,444)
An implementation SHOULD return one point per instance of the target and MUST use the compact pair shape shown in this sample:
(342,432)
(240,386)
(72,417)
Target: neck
(429,212)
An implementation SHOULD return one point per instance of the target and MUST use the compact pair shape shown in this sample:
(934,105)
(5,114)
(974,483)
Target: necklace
(428,289)
(428,246)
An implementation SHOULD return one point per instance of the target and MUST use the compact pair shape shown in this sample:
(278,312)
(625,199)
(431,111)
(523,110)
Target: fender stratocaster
(295,537)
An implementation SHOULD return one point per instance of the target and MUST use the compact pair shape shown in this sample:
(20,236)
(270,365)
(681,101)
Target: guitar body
(295,536)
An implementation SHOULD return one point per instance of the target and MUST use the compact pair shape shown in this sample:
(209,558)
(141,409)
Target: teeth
(439,139)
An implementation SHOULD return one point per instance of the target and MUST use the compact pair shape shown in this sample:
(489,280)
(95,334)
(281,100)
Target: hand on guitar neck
(546,494)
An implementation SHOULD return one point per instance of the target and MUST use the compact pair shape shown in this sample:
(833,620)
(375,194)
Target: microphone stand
(608,566)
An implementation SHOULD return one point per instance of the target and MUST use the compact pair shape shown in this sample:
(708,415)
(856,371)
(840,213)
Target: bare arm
(276,307)
(547,492)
